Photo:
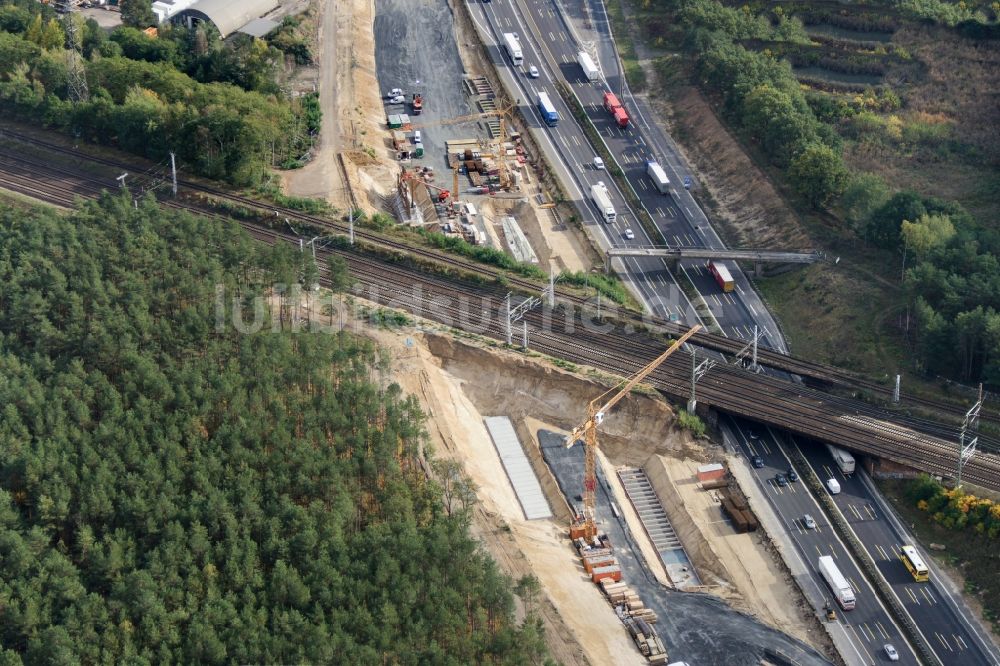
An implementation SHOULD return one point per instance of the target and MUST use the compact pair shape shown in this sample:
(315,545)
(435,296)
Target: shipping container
(613,572)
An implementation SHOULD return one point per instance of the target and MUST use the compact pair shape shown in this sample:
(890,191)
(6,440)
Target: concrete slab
(522,477)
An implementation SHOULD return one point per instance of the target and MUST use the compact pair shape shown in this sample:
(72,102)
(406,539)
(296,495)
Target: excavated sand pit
(460,382)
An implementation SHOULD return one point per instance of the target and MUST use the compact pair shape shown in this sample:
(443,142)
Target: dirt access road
(321,178)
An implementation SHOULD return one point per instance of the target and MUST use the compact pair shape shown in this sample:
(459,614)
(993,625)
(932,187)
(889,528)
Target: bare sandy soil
(321,178)
(353,117)
(353,126)
(458,383)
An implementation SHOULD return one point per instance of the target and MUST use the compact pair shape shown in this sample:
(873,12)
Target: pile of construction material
(483,172)
(626,601)
(716,476)
(734,505)
(602,566)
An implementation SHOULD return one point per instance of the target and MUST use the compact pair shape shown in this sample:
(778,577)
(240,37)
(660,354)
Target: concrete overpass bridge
(675,254)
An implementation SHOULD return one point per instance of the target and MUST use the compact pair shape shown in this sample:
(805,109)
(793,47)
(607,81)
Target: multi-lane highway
(549,43)
(569,143)
(938,615)
(869,626)
(935,611)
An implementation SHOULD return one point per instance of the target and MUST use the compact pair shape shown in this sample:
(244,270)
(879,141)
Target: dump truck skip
(513,46)
(658,176)
(841,589)
(599,194)
(587,65)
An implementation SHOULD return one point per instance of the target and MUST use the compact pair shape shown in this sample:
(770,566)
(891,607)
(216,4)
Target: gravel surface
(697,628)
(415,50)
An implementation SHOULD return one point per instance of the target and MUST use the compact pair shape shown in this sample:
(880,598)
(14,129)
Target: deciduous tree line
(216,105)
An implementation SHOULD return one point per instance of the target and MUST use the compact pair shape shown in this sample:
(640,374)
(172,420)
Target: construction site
(650,545)
(638,559)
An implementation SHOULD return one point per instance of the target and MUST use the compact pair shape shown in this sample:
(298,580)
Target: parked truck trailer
(587,65)
(841,589)
(599,194)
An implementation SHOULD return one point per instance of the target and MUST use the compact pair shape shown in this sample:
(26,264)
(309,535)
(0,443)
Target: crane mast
(587,526)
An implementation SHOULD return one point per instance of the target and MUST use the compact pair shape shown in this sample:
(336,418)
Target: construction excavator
(585,524)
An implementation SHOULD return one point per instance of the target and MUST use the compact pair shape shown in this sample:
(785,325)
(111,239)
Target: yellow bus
(914,564)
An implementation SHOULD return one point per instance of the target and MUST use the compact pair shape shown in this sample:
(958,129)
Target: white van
(833,486)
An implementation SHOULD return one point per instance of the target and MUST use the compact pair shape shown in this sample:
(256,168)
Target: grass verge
(634,73)
(974,558)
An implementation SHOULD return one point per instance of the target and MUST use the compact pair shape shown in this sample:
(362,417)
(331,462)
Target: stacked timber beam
(604,570)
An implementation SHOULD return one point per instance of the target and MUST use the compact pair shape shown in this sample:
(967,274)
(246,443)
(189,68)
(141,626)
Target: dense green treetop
(175,491)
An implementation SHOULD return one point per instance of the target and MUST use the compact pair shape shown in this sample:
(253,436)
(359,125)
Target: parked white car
(533,72)
(599,164)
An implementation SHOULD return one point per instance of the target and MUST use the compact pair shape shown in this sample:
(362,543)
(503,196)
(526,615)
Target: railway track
(784,404)
(818,373)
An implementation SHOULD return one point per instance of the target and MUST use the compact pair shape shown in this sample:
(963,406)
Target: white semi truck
(587,65)
(658,176)
(513,46)
(841,589)
(601,199)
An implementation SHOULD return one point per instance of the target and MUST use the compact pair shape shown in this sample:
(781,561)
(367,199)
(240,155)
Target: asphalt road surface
(936,612)
(697,628)
(551,41)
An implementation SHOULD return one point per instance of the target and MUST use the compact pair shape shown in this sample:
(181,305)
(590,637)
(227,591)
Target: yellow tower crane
(586,526)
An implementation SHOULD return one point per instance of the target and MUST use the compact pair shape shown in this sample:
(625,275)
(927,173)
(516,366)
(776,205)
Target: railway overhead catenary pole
(586,526)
